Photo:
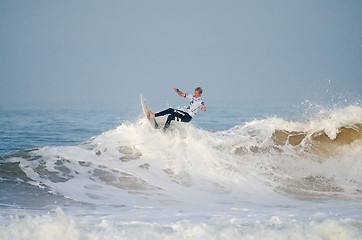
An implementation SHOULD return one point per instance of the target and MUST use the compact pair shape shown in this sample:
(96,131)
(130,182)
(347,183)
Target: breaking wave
(315,158)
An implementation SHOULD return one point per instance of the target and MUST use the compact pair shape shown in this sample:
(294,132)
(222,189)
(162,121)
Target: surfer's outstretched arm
(179,92)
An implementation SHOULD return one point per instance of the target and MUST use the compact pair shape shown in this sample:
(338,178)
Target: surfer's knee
(188,119)
(170,117)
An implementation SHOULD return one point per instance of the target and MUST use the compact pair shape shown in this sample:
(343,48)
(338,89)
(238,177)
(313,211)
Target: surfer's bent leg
(164,112)
(176,115)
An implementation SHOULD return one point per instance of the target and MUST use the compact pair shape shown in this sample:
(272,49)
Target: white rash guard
(195,105)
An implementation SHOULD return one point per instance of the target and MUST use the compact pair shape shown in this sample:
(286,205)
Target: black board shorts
(174,115)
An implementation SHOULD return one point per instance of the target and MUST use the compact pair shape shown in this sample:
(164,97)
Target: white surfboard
(152,121)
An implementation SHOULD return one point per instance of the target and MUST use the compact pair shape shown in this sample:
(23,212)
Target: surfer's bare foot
(152,115)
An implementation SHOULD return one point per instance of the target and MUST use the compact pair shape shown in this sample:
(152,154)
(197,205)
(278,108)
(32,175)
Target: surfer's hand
(179,92)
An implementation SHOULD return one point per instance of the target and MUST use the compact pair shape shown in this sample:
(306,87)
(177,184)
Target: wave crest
(136,163)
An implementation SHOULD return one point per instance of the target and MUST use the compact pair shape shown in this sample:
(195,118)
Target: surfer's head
(198,92)
(198,89)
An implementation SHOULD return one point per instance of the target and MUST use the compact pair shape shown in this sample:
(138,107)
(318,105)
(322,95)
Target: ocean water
(262,172)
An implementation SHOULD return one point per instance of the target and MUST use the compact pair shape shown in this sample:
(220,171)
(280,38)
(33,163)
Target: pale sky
(105,53)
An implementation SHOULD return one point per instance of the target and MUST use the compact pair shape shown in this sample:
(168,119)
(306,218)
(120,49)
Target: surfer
(196,103)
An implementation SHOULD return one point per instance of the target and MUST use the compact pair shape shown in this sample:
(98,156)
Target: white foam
(188,183)
(141,165)
(59,225)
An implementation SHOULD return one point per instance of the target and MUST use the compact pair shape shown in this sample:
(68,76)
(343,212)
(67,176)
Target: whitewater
(267,178)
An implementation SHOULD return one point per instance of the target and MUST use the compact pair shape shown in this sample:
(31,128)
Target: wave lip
(313,158)
(319,142)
